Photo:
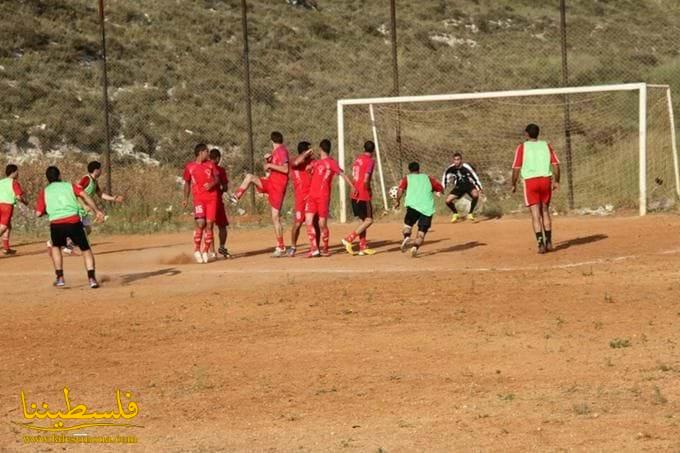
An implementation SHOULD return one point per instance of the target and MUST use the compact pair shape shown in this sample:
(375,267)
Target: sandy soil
(480,344)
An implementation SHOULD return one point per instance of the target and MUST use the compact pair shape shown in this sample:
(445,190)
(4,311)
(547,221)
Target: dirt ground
(480,344)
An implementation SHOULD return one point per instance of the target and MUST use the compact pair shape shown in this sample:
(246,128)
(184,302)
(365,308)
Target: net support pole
(377,155)
(341,159)
(674,143)
(105,95)
(643,149)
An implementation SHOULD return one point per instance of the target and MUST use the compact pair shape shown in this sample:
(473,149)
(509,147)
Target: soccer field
(478,344)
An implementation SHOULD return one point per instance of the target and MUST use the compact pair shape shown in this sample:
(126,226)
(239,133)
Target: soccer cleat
(198,257)
(404,244)
(59,282)
(68,249)
(470,216)
(413,252)
(279,252)
(454,218)
(549,247)
(366,252)
(325,252)
(206,257)
(313,254)
(224,252)
(232,199)
(541,248)
(94,284)
(8,251)
(348,246)
(291,252)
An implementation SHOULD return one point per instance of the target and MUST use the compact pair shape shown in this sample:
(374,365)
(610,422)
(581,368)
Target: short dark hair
(532,130)
(303,146)
(325,145)
(94,165)
(457,154)
(369,146)
(215,153)
(53,174)
(413,167)
(198,149)
(11,168)
(277,137)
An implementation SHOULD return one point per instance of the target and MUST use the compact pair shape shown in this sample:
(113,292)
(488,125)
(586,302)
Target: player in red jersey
(201,180)
(10,193)
(273,185)
(362,171)
(301,175)
(319,199)
(221,219)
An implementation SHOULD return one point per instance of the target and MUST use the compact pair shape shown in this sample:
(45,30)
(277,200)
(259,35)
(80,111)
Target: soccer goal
(616,143)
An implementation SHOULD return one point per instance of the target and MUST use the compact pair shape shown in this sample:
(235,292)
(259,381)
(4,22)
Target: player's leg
(280,249)
(310,217)
(317,228)
(424,223)
(6,211)
(294,236)
(362,210)
(325,235)
(247,181)
(363,229)
(546,217)
(79,238)
(451,203)
(6,250)
(198,239)
(410,219)
(57,241)
(537,224)
(474,199)
(209,230)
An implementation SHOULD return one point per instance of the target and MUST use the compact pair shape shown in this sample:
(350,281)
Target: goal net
(616,143)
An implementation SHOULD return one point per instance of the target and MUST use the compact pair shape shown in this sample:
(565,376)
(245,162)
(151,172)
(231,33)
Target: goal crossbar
(641,88)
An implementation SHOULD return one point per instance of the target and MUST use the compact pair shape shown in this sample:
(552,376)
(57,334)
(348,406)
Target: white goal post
(640,88)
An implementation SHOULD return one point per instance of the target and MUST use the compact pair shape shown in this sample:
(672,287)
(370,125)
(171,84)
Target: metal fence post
(567,110)
(105,88)
(247,94)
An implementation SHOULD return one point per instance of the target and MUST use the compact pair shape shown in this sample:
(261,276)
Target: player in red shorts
(537,163)
(319,199)
(221,219)
(362,170)
(201,180)
(300,170)
(273,185)
(10,193)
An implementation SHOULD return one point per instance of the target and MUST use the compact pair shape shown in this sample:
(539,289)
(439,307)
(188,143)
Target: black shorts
(463,188)
(362,209)
(412,216)
(59,232)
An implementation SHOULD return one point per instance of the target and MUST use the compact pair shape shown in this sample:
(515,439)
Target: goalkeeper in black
(463,179)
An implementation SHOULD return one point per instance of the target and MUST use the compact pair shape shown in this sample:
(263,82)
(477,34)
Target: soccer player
(201,180)
(10,193)
(537,163)
(419,188)
(273,185)
(362,171)
(301,169)
(319,199)
(464,180)
(221,219)
(59,200)
(91,187)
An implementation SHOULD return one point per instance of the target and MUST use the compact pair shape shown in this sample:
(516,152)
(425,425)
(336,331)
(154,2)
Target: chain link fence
(176,75)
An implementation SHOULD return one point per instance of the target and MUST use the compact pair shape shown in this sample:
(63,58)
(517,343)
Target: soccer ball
(394,191)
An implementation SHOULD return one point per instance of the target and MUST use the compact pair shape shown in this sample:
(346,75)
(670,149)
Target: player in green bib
(59,201)
(91,187)
(420,190)
(537,163)
(10,193)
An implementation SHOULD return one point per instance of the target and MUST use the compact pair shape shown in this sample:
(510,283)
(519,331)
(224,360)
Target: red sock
(362,241)
(198,235)
(239,193)
(5,244)
(208,237)
(351,237)
(311,234)
(325,237)
(279,242)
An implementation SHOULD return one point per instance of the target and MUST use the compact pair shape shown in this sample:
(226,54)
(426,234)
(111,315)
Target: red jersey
(362,170)
(41,206)
(199,174)
(279,157)
(222,178)
(323,171)
(302,177)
